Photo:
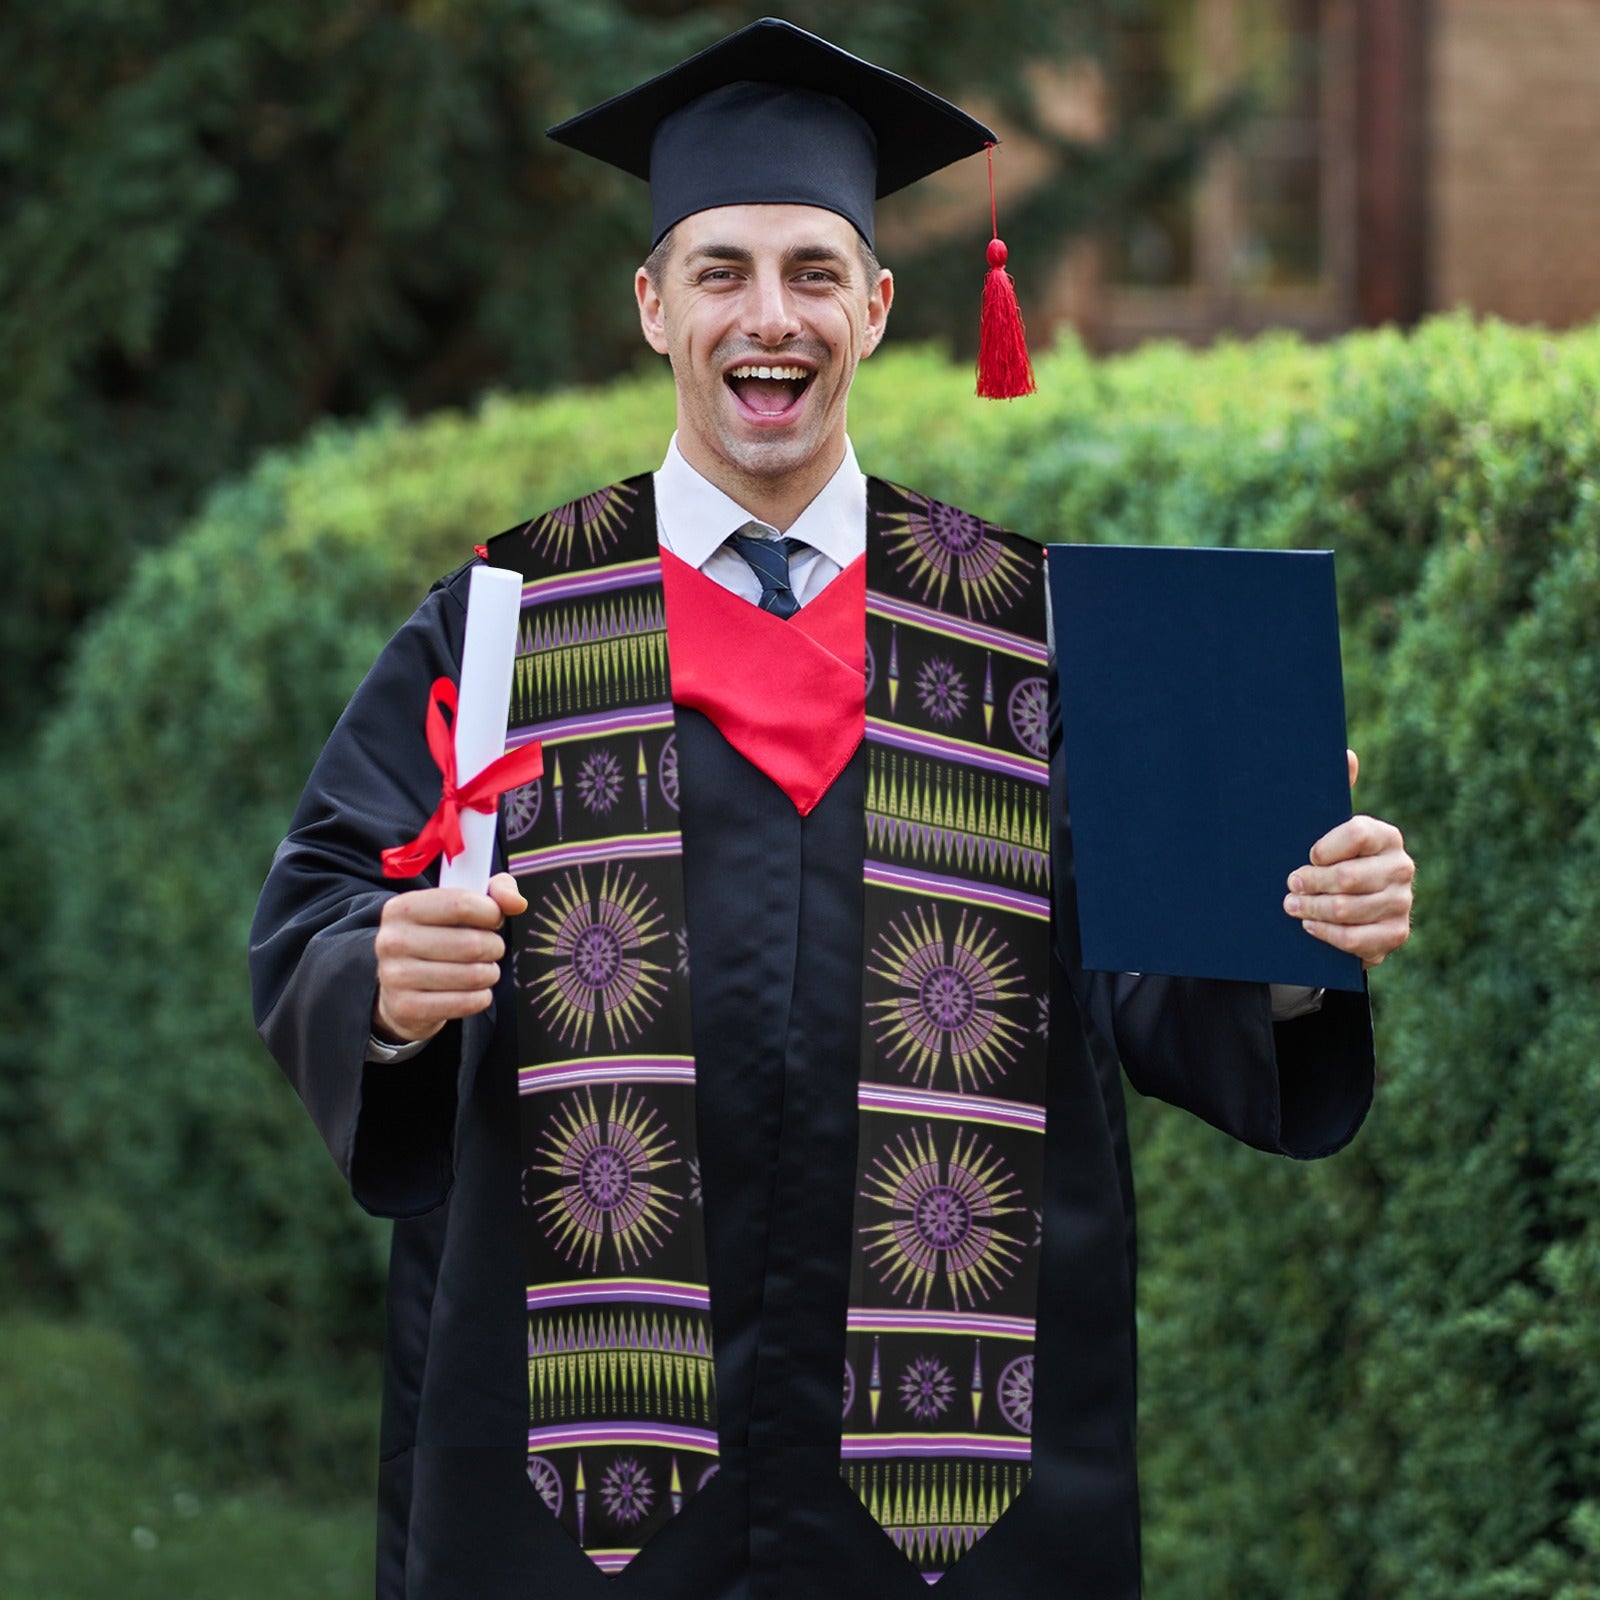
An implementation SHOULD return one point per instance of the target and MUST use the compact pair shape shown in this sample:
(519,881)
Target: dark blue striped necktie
(769,560)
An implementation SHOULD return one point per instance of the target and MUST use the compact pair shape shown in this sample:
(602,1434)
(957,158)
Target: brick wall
(1514,158)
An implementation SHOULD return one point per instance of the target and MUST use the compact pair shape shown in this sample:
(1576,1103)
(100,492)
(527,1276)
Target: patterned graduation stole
(938,1404)
(938,1381)
(622,1421)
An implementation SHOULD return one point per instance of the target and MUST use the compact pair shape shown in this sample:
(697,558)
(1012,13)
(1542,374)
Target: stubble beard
(768,459)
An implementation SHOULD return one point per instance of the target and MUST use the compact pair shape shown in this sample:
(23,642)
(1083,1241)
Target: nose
(771,319)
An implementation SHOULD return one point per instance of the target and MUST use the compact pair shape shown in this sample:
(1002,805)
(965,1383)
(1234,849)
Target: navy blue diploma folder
(1202,713)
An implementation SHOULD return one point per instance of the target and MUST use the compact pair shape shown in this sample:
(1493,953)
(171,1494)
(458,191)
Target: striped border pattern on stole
(621,1390)
(938,1382)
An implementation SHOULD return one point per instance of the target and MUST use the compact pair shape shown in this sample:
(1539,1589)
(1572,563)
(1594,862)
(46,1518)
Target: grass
(93,1504)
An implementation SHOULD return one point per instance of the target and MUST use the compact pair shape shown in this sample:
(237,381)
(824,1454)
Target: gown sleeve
(313,965)
(1300,1088)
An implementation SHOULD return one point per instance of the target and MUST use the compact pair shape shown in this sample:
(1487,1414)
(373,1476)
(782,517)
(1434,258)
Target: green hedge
(190,1202)
(1374,1377)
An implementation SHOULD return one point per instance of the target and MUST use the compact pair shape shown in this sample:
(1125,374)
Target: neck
(776,500)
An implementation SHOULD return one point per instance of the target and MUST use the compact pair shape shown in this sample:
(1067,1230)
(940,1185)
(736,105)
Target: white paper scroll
(494,607)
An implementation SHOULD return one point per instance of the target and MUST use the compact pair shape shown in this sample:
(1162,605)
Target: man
(794,1074)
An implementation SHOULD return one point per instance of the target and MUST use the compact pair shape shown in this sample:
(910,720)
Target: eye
(718,275)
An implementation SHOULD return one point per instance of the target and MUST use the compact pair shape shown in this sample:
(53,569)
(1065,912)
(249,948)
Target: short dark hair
(655,264)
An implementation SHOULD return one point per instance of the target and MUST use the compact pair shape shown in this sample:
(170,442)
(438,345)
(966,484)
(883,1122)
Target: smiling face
(764,311)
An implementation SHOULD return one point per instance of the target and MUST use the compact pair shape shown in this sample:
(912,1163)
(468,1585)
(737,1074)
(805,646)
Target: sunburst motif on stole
(599,516)
(599,782)
(626,1491)
(1016,1393)
(594,946)
(948,998)
(926,1388)
(933,543)
(944,1218)
(606,1171)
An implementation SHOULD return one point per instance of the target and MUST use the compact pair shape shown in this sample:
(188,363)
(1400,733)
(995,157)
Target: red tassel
(1004,370)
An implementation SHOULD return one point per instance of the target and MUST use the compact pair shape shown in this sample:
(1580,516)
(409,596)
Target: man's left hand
(1355,893)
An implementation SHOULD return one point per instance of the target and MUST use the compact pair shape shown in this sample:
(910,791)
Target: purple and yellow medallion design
(944,1274)
(621,1391)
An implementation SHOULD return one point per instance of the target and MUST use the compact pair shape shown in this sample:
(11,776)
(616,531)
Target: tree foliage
(180,1195)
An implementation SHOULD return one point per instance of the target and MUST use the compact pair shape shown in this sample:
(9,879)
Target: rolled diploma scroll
(488,659)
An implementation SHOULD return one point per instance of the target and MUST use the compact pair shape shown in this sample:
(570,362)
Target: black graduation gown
(774,915)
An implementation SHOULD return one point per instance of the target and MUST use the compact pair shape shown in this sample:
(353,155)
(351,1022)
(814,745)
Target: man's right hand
(438,957)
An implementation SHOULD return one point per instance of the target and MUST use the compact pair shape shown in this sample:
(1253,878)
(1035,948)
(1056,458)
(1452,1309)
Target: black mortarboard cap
(774,115)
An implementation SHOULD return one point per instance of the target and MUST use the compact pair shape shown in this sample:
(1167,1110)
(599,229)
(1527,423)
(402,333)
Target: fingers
(400,939)
(409,1015)
(1317,888)
(1356,893)
(1353,761)
(1360,836)
(436,977)
(1372,942)
(438,956)
(447,908)
(1377,904)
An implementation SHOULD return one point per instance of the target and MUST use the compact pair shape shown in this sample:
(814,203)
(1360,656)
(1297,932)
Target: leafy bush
(190,1206)
(1377,1377)
(1371,1378)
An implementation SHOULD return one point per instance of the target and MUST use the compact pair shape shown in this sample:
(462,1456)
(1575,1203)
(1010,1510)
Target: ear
(880,298)
(652,315)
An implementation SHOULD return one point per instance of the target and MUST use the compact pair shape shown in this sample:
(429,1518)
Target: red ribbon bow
(442,831)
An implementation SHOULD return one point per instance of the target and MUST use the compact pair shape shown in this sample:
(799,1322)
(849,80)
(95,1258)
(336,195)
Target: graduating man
(763,1221)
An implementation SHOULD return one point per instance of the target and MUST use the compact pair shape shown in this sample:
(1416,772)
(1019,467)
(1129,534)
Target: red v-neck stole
(789,696)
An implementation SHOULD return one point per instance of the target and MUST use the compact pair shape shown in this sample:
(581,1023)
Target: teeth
(798,374)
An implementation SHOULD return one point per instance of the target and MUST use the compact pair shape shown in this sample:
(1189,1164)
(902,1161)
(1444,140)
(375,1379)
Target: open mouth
(769,391)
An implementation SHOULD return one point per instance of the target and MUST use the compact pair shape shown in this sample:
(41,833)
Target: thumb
(504,892)
(1354,762)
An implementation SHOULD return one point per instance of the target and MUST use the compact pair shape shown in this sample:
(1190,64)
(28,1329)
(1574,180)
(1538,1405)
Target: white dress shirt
(694,518)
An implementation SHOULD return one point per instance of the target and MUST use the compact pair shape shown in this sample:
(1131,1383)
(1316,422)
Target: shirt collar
(696,517)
